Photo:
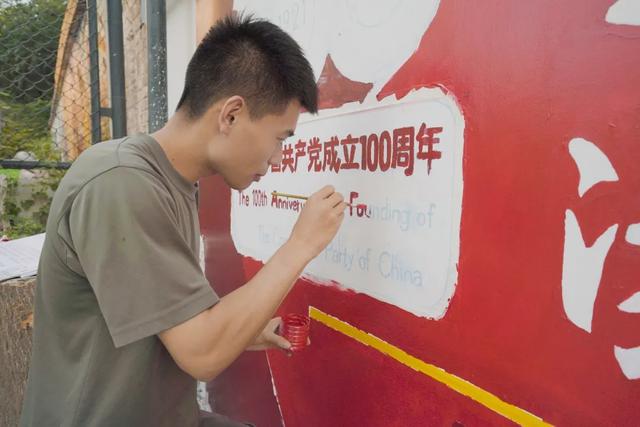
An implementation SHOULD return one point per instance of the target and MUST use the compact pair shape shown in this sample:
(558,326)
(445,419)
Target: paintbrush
(295,196)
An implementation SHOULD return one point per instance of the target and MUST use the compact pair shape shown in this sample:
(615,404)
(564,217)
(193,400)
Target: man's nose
(276,158)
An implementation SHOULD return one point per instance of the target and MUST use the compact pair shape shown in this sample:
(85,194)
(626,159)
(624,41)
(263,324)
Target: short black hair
(252,58)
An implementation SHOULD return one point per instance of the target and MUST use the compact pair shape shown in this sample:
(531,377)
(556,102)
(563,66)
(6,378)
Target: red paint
(349,149)
(285,203)
(335,90)
(361,209)
(244,390)
(314,150)
(376,151)
(295,328)
(427,141)
(528,78)
(288,161)
(331,159)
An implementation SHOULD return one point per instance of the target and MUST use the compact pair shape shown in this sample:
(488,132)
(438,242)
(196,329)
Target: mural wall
(488,270)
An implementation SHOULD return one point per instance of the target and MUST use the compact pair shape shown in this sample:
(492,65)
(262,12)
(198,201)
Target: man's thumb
(281,342)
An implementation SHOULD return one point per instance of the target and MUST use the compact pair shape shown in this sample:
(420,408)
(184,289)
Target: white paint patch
(582,271)
(625,12)
(344,27)
(633,234)
(202,396)
(631,304)
(180,46)
(201,254)
(275,390)
(629,361)
(593,164)
(406,252)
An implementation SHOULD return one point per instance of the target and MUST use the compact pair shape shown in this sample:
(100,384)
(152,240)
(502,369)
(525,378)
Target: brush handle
(290,196)
(295,196)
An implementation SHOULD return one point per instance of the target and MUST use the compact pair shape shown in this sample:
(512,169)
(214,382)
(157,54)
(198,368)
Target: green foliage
(25,128)
(10,173)
(29,33)
(15,223)
(24,228)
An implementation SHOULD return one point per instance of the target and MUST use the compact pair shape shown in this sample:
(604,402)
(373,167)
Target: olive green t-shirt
(118,266)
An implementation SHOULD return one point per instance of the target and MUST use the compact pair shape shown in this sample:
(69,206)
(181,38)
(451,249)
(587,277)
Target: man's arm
(206,344)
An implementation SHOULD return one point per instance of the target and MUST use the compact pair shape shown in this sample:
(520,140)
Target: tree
(29,33)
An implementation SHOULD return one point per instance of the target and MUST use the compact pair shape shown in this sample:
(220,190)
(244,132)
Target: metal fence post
(157,56)
(94,71)
(116,69)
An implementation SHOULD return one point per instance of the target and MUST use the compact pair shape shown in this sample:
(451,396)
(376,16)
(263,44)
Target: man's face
(253,145)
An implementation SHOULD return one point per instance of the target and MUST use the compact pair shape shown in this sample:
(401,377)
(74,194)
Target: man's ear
(230,112)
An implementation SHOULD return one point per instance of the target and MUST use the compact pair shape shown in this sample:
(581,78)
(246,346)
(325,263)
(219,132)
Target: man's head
(247,81)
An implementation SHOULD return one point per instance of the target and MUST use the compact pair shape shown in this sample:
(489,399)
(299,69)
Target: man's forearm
(232,324)
(207,343)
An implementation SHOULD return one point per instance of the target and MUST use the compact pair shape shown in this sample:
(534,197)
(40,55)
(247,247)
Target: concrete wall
(541,325)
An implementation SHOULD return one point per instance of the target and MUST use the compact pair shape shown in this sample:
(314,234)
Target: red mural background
(529,77)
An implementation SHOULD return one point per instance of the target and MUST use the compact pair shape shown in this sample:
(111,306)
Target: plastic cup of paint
(295,328)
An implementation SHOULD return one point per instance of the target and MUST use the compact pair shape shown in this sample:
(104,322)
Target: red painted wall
(529,76)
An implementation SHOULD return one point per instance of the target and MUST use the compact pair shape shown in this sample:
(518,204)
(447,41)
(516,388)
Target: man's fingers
(275,324)
(341,207)
(280,342)
(335,199)
(273,335)
(324,192)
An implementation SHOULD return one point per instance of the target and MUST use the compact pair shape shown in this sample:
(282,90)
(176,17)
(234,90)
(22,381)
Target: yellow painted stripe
(489,400)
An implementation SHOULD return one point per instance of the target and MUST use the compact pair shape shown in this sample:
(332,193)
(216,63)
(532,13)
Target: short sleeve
(126,237)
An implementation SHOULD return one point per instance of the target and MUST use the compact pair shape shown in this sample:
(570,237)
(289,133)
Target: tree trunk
(16,325)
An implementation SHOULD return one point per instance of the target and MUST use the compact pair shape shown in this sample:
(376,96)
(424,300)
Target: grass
(10,173)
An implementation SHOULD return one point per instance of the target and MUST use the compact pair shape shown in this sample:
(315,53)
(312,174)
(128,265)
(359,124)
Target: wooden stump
(16,325)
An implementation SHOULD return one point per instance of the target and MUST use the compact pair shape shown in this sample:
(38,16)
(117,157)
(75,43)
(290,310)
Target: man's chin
(239,186)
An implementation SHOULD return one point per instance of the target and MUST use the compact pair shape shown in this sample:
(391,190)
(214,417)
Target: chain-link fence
(56,88)
(72,73)
(29,34)
(58,91)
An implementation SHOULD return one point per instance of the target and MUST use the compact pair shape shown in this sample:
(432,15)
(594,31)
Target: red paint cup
(295,328)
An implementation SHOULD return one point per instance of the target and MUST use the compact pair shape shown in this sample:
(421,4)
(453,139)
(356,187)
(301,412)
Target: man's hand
(207,343)
(319,221)
(269,338)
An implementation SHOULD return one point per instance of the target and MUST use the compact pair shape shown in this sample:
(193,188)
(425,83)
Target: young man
(125,321)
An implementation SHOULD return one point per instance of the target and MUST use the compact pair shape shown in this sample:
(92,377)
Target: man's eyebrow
(288,132)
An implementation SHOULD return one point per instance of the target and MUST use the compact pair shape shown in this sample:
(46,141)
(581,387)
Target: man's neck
(184,148)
